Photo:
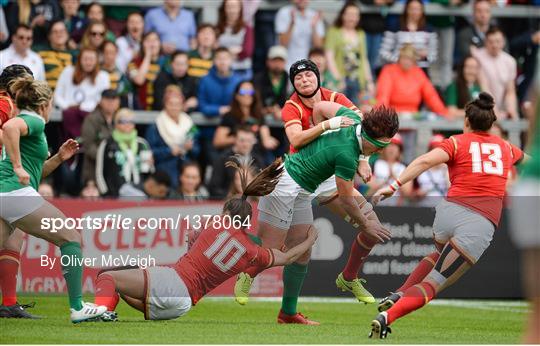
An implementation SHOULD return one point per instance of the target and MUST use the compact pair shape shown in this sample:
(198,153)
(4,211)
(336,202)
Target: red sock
(419,273)
(253,271)
(360,249)
(9,267)
(414,298)
(106,292)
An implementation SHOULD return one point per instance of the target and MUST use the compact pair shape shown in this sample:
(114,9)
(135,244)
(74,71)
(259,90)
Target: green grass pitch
(222,321)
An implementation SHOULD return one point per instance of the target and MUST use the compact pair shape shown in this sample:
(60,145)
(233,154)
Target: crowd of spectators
(105,62)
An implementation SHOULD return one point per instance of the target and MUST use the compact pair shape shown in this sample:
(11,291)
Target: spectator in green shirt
(464,88)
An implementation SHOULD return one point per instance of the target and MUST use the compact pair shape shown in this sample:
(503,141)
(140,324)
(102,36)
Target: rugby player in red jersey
(465,221)
(10,253)
(217,254)
(302,128)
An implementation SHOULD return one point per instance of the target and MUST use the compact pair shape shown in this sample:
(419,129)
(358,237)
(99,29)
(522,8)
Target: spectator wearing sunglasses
(19,52)
(245,110)
(123,158)
(94,13)
(94,36)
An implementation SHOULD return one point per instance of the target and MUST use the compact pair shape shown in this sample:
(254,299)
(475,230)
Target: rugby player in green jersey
(22,165)
(335,152)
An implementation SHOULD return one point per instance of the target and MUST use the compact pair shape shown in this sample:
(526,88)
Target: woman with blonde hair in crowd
(173,136)
(24,163)
(123,158)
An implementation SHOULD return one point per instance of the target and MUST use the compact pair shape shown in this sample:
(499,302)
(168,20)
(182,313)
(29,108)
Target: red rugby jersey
(216,256)
(478,168)
(6,110)
(296,112)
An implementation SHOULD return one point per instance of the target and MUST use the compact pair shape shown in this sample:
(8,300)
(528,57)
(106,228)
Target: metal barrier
(424,128)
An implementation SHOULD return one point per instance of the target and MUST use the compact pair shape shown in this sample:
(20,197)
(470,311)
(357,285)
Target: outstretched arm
(66,151)
(285,258)
(417,167)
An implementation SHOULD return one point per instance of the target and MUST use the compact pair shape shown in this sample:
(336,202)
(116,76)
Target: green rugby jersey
(34,152)
(333,152)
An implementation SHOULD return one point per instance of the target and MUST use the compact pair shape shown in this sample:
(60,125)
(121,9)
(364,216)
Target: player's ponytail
(480,112)
(261,185)
(30,93)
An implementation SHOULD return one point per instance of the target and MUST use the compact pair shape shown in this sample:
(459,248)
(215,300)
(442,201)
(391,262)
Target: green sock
(293,279)
(73,273)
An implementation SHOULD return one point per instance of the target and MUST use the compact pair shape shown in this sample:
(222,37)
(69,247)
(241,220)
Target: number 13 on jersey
(493,164)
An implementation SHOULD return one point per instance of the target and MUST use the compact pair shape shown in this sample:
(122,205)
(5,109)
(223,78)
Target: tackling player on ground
(167,292)
(22,165)
(465,221)
(301,129)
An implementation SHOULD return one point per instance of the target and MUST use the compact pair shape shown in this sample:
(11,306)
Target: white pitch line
(491,305)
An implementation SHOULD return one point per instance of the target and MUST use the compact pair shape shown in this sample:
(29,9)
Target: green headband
(375,142)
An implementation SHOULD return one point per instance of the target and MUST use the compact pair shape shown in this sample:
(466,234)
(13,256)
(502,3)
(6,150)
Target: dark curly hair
(480,112)
(381,122)
(11,73)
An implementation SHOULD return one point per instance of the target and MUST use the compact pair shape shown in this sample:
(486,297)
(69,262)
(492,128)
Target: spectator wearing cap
(130,43)
(235,34)
(19,52)
(433,183)
(122,158)
(173,137)
(272,82)
(328,81)
(200,58)
(347,56)
(405,86)
(387,169)
(216,91)
(96,127)
(177,75)
(465,88)
(174,24)
(56,55)
(474,34)
(498,70)
(299,28)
